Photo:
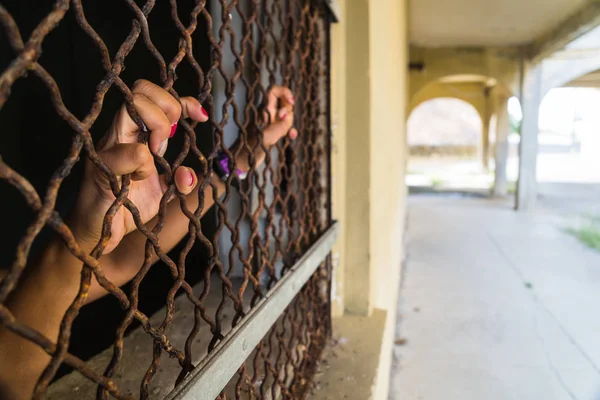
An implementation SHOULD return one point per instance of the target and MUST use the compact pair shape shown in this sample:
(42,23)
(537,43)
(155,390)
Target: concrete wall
(369,150)
(389,86)
(369,105)
(338,156)
(369,113)
(388,64)
(359,275)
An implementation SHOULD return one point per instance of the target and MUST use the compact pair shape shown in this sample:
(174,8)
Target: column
(485,130)
(501,156)
(530,102)
(485,142)
(359,282)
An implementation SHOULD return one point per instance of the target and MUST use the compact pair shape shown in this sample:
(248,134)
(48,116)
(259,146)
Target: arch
(469,92)
(465,122)
(469,88)
(578,58)
(439,63)
(483,93)
(558,72)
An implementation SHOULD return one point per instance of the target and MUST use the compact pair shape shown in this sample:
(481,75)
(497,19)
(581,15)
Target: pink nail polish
(293,100)
(283,116)
(173,129)
(204,112)
(191,178)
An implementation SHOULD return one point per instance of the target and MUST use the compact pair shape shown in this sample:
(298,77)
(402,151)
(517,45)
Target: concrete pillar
(501,156)
(485,131)
(376,87)
(485,145)
(530,103)
(359,277)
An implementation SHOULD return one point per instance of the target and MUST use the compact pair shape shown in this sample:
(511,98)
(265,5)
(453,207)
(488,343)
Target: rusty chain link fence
(262,231)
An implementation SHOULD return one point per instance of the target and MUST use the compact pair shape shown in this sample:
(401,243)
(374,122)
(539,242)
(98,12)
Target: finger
(287,118)
(191,108)
(293,134)
(168,105)
(277,130)
(127,131)
(283,113)
(280,93)
(129,158)
(185,180)
(278,97)
(159,96)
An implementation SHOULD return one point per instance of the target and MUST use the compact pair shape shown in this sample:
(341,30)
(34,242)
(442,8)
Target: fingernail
(284,115)
(173,129)
(293,100)
(191,180)
(162,148)
(204,111)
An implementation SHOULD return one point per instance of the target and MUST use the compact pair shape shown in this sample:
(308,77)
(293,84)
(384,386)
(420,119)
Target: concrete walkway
(495,305)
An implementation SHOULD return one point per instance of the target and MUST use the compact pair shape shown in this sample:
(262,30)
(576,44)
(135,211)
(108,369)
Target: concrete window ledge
(355,365)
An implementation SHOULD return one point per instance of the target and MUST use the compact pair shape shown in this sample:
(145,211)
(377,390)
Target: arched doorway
(444,139)
(485,98)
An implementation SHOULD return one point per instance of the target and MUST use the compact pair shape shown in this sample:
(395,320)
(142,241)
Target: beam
(576,25)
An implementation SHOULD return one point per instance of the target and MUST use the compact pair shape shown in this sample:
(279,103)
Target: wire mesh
(264,224)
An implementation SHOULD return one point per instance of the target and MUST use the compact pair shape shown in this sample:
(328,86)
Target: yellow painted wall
(358,280)
(338,156)
(388,66)
(389,86)
(499,63)
(369,57)
(369,105)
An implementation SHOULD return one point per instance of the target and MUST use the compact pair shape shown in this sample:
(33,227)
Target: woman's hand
(278,118)
(125,260)
(42,297)
(121,151)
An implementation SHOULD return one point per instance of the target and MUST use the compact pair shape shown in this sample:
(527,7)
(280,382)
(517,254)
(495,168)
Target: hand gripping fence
(254,322)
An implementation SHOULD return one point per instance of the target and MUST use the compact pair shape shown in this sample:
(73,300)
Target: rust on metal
(282,208)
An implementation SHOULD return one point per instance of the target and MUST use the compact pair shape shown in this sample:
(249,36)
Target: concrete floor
(495,305)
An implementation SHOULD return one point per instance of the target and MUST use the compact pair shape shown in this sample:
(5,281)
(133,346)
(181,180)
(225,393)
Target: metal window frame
(210,377)
(334,10)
